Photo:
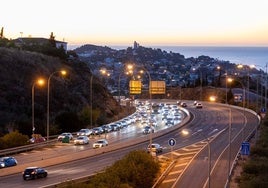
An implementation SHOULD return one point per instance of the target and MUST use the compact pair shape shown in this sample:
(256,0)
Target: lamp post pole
(265,86)
(119,99)
(129,69)
(201,83)
(186,132)
(39,82)
(33,128)
(91,101)
(229,148)
(48,89)
(150,122)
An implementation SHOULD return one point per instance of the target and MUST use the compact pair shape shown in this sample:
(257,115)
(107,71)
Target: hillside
(71,94)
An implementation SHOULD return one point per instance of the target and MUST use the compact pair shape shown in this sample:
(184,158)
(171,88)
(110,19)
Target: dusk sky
(149,22)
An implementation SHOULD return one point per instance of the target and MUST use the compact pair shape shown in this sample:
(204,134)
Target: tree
(52,40)
(2,33)
(136,169)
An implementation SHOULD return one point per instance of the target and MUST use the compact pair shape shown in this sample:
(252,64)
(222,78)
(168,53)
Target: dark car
(115,127)
(34,173)
(97,130)
(199,105)
(7,162)
(148,130)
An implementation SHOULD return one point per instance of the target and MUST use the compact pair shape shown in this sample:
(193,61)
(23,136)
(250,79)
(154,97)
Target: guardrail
(25,148)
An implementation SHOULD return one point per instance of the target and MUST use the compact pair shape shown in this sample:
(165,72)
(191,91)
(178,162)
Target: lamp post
(150,95)
(229,150)
(265,78)
(40,82)
(62,72)
(91,101)
(129,69)
(105,73)
(244,92)
(201,82)
(240,67)
(186,132)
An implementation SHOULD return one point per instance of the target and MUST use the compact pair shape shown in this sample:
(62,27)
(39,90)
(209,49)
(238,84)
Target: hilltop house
(38,41)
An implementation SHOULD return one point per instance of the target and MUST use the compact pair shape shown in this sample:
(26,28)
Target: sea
(257,56)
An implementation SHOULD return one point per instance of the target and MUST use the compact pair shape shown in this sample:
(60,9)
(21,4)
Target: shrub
(13,139)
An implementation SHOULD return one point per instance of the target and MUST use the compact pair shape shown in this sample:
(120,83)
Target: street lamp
(91,101)
(265,78)
(39,82)
(129,69)
(186,132)
(62,72)
(240,67)
(230,80)
(103,72)
(150,95)
(201,82)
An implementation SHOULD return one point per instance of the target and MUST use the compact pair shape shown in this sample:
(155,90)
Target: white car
(81,140)
(84,132)
(155,148)
(100,143)
(63,135)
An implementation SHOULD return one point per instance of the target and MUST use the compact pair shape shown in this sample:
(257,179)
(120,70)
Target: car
(155,148)
(97,130)
(63,135)
(124,124)
(34,173)
(169,121)
(81,140)
(84,132)
(106,128)
(7,162)
(115,127)
(153,122)
(199,105)
(37,139)
(100,143)
(147,130)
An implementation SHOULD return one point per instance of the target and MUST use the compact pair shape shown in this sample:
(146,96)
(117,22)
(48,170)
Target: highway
(195,170)
(210,122)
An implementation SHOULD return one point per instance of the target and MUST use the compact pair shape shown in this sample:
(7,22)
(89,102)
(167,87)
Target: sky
(149,22)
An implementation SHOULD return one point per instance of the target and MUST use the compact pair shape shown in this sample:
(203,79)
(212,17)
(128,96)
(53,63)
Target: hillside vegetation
(69,95)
